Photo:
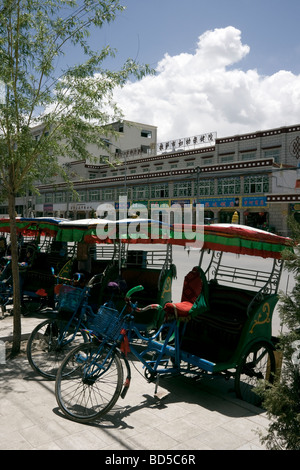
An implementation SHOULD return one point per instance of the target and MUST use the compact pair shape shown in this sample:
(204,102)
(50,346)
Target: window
(227,158)
(94,195)
(248,156)
(145,149)
(229,186)
(108,194)
(59,197)
(183,189)
(140,192)
(207,161)
(256,184)
(92,176)
(48,198)
(160,190)
(273,153)
(205,188)
(145,133)
(123,192)
(81,196)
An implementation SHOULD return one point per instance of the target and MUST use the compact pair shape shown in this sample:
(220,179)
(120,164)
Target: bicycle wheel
(89,382)
(49,343)
(258,364)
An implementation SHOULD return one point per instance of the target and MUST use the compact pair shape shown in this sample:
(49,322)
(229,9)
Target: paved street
(193,416)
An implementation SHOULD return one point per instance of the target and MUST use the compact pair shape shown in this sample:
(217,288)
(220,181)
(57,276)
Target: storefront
(256,219)
(226,216)
(255,211)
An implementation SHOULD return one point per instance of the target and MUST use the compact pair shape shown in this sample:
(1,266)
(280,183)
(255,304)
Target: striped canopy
(232,238)
(45,226)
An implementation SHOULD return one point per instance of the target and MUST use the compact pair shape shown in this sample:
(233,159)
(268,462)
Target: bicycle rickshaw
(222,326)
(39,236)
(152,266)
(38,253)
(50,340)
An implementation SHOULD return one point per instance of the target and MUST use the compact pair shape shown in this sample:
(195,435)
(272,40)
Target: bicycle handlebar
(133,290)
(148,307)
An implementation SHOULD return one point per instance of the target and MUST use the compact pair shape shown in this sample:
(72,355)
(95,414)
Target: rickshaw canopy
(231,238)
(30,226)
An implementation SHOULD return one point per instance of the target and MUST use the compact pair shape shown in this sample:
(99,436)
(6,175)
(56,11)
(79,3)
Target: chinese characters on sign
(187,142)
(255,201)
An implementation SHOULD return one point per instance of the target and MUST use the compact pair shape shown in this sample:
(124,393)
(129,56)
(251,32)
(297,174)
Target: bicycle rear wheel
(89,382)
(49,343)
(257,365)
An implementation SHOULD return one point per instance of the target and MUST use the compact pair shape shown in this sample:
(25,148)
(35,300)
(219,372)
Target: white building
(256,175)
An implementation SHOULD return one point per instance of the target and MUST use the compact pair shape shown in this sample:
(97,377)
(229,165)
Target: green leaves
(71,107)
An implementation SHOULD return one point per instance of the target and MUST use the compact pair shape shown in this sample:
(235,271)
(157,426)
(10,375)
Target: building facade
(255,175)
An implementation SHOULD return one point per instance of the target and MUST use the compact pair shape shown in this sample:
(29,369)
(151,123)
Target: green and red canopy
(232,238)
(44,226)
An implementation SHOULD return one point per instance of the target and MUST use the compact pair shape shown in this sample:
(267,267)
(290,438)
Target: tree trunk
(15,276)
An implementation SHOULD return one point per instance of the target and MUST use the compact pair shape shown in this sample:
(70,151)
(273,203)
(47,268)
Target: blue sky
(225,66)
(150,28)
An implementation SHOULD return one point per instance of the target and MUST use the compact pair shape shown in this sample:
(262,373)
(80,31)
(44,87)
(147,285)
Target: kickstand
(162,393)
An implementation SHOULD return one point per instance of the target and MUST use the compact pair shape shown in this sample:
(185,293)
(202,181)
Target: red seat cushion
(192,288)
(177,310)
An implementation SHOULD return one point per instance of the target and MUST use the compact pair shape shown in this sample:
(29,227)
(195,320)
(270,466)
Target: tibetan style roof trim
(163,156)
(283,197)
(238,165)
(255,135)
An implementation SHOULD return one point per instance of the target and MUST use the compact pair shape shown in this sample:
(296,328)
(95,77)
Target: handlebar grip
(148,307)
(133,290)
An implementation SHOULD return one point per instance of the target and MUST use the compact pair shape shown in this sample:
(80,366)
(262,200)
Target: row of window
(205,187)
(273,153)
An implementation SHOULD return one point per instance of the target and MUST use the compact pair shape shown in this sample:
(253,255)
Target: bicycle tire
(44,354)
(89,382)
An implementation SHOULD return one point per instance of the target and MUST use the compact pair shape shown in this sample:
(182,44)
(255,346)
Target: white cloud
(206,92)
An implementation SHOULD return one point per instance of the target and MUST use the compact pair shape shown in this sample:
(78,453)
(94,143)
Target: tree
(282,400)
(72,106)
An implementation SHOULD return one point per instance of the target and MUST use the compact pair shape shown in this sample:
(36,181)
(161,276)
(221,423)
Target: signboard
(186,143)
(254,201)
(220,202)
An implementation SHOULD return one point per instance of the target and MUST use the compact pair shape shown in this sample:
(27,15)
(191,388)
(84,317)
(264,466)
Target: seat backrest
(194,283)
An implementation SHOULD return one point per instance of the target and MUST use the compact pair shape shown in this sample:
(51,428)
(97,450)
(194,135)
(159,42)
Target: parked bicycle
(51,340)
(90,378)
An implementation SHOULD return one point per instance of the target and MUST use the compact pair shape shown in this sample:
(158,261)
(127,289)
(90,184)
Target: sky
(224,66)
